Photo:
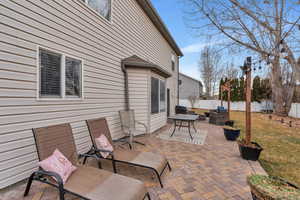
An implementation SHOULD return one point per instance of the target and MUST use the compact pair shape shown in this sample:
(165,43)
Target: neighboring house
(189,86)
(65,61)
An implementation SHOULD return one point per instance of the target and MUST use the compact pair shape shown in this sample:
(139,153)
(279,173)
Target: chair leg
(114,166)
(99,164)
(29,184)
(139,143)
(84,160)
(61,195)
(148,196)
(169,166)
(180,125)
(194,127)
(174,129)
(159,179)
(130,146)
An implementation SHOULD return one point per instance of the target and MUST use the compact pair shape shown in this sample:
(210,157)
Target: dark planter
(229,123)
(250,153)
(206,114)
(231,135)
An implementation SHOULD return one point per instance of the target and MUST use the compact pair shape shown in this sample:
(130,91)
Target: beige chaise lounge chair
(87,183)
(155,162)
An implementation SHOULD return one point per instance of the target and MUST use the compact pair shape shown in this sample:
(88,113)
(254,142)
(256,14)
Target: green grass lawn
(281,154)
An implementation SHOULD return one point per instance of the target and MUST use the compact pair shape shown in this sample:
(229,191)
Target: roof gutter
(178,81)
(127,106)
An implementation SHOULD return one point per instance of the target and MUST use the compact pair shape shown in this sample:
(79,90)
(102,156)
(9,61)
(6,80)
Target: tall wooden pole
(228,103)
(222,96)
(248,100)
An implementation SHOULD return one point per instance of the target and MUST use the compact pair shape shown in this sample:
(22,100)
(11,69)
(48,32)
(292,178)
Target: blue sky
(172,14)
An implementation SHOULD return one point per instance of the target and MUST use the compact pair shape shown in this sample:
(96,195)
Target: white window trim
(98,14)
(160,111)
(159,106)
(173,57)
(63,96)
(173,60)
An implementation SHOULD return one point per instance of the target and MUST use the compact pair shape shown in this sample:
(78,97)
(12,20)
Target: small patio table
(182,118)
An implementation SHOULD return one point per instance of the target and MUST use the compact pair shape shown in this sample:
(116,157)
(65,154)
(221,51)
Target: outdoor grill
(181,110)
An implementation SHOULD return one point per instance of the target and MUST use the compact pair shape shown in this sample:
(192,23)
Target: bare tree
(193,100)
(231,72)
(266,28)
(209,66)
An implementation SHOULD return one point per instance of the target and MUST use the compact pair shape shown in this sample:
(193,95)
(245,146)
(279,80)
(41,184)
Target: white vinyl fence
(295,110)
(239,106)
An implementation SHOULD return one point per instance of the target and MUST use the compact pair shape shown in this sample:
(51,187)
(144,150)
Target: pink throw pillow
(59,164)
(103,143)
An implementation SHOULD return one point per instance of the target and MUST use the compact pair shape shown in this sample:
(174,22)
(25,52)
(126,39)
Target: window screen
(173,62)
(154,95)
(73,77)
(103,7)
(50,73)
(173,66)
(162,101)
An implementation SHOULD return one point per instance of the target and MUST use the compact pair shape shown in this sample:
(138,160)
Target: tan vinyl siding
(71,28)
(172,84)
(189,87)
(157,121)
(139,95)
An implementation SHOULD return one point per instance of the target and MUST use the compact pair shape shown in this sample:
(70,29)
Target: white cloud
(196,48)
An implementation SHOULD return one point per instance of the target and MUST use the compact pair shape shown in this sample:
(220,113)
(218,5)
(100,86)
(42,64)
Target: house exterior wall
(138,84)
(67,27)
(189,87)
(157,120)
(172,84)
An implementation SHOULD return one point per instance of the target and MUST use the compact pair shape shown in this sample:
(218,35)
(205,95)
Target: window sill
(158,113)
(94,12)
(60,99)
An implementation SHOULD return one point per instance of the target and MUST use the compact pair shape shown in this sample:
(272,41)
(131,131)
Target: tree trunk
(277,92)
(288,96)
(282,95)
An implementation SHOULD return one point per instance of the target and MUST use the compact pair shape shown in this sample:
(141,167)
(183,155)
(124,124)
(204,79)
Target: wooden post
(222,95)
(248,100)
(228,102)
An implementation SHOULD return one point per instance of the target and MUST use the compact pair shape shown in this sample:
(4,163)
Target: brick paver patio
(213,171)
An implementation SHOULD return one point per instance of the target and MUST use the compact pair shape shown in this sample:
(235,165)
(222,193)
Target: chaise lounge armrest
(92,153)
(103,151)
(87,155)
(40,174)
